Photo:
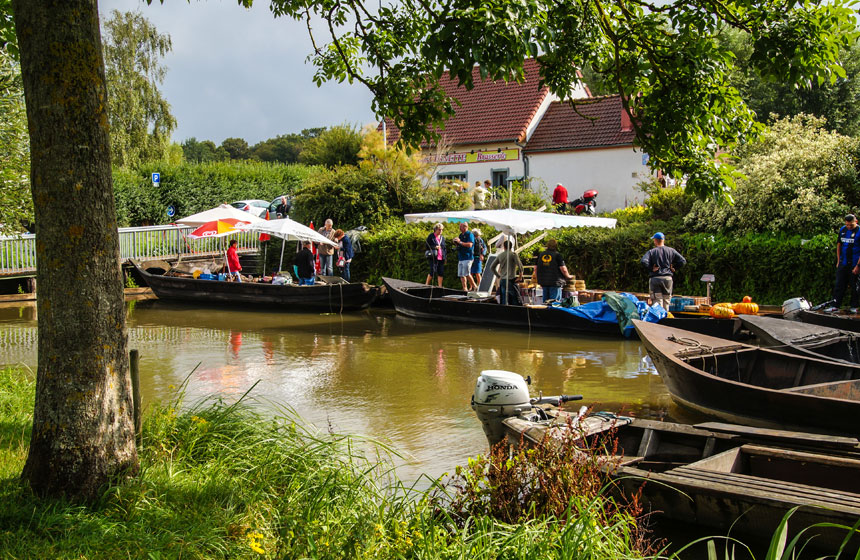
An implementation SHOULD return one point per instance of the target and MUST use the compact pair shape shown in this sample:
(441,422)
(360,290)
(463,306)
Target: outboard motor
(502,394)
(792,307)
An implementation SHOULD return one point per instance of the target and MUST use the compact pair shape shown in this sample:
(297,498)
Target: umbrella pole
(281,264)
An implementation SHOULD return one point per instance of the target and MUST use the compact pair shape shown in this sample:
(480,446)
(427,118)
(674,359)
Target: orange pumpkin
(729,305)
(721,312)
(746,308)
(747,299)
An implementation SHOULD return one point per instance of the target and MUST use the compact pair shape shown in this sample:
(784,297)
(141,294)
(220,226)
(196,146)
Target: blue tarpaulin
(601,312)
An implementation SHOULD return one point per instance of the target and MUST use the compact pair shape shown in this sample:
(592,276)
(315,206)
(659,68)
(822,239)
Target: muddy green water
(404,381)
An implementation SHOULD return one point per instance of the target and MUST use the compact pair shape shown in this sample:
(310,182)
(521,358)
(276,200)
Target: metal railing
(18,253)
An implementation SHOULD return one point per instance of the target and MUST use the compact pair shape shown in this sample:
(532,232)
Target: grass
(223,480)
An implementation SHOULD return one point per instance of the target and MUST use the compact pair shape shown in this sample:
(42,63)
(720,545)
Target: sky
(237,72)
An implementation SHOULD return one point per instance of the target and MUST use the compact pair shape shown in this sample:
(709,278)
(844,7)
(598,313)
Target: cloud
(237,72)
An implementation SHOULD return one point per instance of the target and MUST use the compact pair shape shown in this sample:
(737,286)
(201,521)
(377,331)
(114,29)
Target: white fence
(18,253)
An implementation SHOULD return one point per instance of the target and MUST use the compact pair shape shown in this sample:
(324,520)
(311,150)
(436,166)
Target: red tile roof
(562,128)
(492,111)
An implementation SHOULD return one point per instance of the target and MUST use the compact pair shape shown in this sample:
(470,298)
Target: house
(507,131)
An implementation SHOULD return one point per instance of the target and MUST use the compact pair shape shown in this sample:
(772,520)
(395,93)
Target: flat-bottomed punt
(747,384)
(805,339)
(330,298)
(843,322)
(720,475)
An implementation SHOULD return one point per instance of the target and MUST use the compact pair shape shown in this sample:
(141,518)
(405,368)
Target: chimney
(626,124)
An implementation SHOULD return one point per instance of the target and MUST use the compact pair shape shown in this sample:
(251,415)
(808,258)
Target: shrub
(194,187)
(799,179)
(338,145)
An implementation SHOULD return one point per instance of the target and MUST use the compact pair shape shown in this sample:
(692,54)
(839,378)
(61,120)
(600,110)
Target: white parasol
(513,221)
(288,229)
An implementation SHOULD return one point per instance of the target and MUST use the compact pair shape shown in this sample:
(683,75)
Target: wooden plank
(819,440)
(846,389)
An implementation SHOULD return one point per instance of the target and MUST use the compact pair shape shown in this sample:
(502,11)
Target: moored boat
(839,321)
(804,339)
(747,384)
(330,298)
(725,476)
(429,302)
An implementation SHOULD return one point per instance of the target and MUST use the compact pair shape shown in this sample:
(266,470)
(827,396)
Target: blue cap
(658,235)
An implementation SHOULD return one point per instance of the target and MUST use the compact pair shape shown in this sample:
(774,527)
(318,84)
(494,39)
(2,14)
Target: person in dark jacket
(435,252)
(305,265)
(346,252)
(551,271)
(661,262)
(847,265)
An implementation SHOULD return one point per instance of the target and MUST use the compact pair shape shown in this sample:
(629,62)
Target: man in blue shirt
(847,256)
(465,254)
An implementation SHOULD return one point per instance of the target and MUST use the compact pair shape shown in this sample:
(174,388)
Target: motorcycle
(585,205)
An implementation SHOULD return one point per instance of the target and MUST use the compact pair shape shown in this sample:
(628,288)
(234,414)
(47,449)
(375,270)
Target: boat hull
(329,298)
(841,322)
(771,404)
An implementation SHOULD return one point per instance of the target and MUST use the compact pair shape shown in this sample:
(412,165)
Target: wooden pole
(134,359)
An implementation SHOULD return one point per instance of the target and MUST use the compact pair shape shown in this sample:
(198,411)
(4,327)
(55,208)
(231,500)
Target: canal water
(375,373)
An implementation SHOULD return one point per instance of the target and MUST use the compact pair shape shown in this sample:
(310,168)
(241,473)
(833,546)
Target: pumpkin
(729,305)
(746,308)
(722,312)
(747,299)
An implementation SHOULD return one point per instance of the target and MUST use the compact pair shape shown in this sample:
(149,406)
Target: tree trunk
(83,433)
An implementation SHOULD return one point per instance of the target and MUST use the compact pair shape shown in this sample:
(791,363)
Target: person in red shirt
(233,265)
(559,198)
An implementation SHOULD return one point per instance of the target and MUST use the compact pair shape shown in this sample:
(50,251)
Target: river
(403,381)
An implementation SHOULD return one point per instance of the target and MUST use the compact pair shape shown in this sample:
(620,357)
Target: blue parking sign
(156,178)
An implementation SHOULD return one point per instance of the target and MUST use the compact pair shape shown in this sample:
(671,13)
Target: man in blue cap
(661,263)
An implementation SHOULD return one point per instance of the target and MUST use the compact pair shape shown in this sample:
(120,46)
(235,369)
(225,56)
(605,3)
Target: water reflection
(372,373)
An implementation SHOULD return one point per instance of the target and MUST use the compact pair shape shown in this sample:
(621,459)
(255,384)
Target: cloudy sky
(242,73)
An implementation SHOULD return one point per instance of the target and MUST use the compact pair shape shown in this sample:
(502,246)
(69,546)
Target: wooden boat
(332,298)
(747,384)
(723,476)
(444,304)
(850,323)
(804,339)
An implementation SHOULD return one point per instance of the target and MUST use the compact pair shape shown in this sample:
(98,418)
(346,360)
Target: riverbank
(222,480)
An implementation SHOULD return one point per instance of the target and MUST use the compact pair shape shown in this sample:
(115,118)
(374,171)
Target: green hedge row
(769,268)
(194,187)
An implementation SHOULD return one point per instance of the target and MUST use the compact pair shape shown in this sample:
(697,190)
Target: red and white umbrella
(219,228)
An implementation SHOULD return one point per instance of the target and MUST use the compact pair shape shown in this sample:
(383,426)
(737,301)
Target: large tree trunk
(83,433)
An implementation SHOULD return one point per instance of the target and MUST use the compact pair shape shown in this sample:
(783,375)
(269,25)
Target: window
(500,177)
(462,176)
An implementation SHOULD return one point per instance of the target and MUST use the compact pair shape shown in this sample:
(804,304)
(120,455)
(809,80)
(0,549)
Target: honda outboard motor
(501,394)
(791,308)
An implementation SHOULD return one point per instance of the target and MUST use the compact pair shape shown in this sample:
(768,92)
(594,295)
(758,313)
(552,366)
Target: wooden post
(134,359)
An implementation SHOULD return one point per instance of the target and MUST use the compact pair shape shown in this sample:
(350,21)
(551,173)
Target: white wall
(611,171)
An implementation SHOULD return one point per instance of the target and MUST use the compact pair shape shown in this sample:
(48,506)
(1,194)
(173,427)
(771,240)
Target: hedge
(769,268)
(194,187)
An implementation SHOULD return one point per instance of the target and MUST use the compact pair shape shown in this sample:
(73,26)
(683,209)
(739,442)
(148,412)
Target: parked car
(255,207)
(281,206)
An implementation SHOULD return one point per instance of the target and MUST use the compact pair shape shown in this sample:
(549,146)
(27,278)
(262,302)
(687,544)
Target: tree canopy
(664,59)
(140,118)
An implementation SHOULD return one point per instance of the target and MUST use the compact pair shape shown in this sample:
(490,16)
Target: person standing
(479,195)
(509,269)
(346,252)
(551,271)
(661,262)
(326,252)
(559,198)
(233,266)
(465,243)
(435,253)
(847,256)
(480,252)
(305,265)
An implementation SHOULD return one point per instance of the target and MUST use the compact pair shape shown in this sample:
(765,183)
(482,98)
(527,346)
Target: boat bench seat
(792,492)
